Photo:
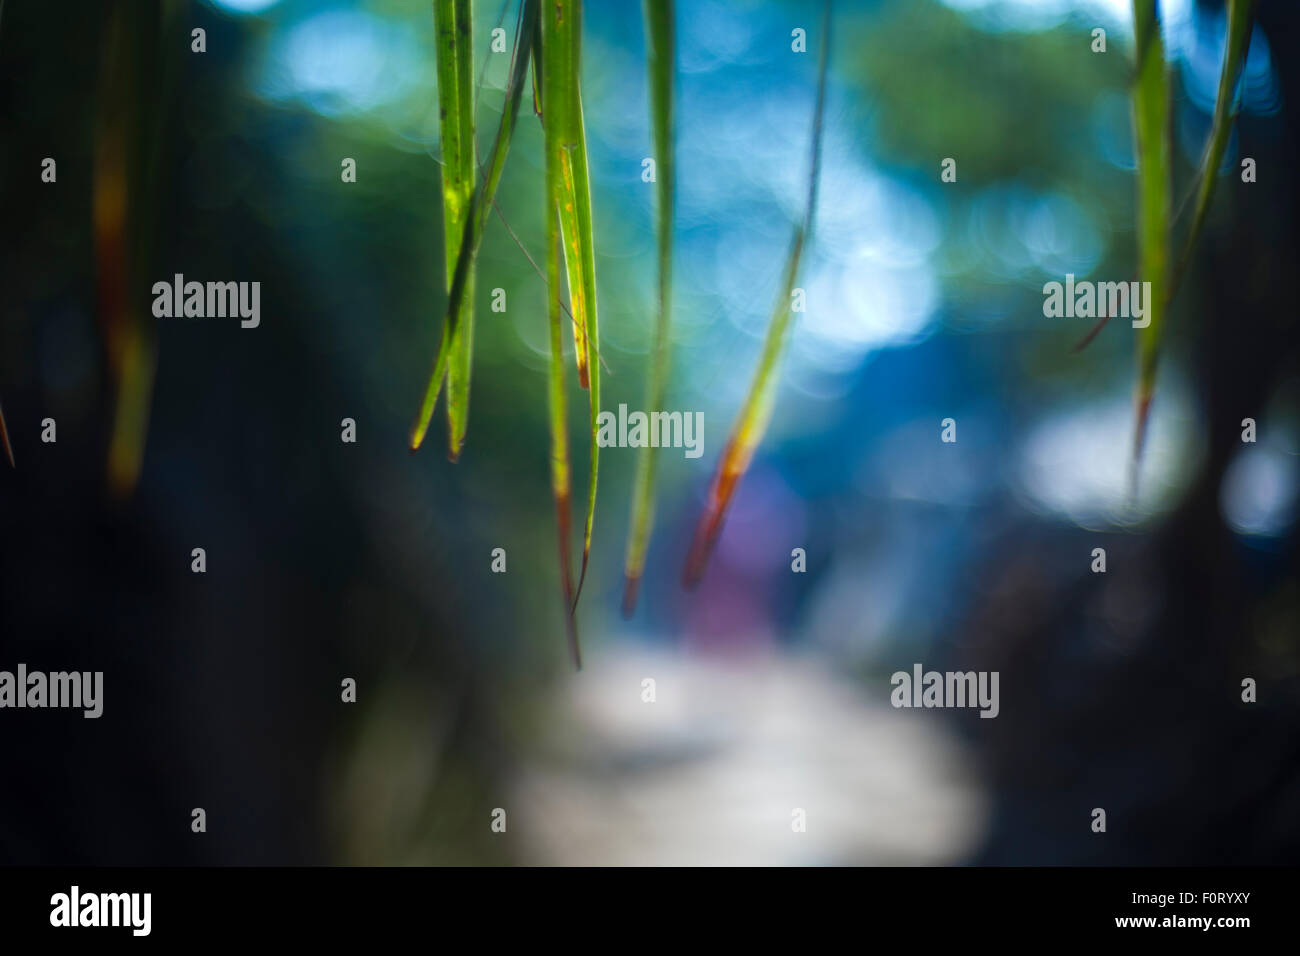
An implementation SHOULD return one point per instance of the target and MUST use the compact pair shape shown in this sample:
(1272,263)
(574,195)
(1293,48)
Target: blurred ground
(710,773)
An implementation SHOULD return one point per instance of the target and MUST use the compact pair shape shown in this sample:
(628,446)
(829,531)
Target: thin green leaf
(659,16)
(581,259)
(561,25)
(756,411)
(1238,42)
(1240,17)
(1151,121)
(480,207)
(572,200)
(455,68)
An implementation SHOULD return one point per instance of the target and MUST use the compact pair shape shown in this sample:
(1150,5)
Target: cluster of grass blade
(548,35)
(659,17)
(454,54)
(756,410)
(462,246)
(1154,135)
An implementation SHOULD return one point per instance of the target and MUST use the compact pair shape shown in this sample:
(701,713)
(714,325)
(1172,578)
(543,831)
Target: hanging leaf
(756,411)
(659,15)
(1151,122)
(481,203)
(1240,17)
(569,238)
(455,66)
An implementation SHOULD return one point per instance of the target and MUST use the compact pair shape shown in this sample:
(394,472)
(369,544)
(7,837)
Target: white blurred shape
(1258,496)
(710,773)
(1075,463)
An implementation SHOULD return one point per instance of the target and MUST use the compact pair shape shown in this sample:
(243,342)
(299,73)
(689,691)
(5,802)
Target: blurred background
(328,560)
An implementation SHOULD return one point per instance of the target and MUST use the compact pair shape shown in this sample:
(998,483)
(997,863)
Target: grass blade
(1151,122)
(1240,17)
(561,25)
(659,15)
(571,196)
(756,411)
(1238,42)
(455,67)
(475,221)
(580,256)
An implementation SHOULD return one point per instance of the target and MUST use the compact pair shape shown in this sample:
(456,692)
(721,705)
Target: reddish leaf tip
(631,585)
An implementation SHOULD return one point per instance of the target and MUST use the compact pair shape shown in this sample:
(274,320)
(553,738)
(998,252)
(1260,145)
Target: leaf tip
(698,557)
(1143,415)
(582,577)
(4,439)
(575,646)
(631,586)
